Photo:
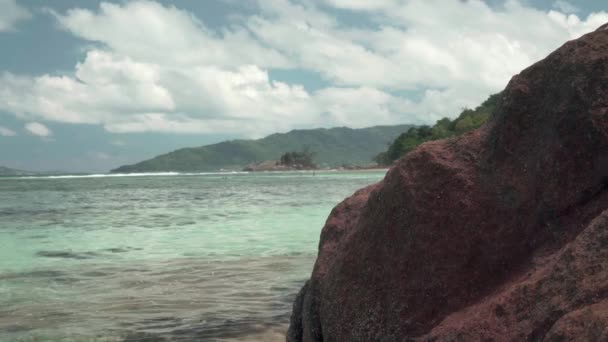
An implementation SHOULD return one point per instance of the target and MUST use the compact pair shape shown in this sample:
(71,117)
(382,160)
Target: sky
(86,85)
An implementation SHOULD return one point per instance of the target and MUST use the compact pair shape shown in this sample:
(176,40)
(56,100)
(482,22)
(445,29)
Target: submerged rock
(500,234)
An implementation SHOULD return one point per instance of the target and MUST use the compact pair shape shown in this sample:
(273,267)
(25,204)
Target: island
(290,161)
(333,148)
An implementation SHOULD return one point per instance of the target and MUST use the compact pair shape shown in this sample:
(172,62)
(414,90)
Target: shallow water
(209,257)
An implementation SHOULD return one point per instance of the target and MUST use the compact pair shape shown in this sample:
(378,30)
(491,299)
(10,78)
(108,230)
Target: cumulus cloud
(455,51)
(362,5)
(132,97)
(11,13)
(565,7)
(150,32)
(38,129)
(159,68)
(6,132)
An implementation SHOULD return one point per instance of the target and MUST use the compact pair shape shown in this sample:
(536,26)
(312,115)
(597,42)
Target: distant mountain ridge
(5,171)
(333,147)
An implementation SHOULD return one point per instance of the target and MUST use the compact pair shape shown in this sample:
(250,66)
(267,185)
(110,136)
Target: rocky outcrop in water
(497,235)
(272,165)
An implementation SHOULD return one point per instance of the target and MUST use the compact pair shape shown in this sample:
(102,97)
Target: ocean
(160,257)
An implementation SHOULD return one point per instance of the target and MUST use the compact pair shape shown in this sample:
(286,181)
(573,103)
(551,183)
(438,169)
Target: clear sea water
(199,257)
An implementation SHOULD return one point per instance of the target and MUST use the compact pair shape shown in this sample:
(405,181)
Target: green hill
(468,119)
(5,171)
(331,147)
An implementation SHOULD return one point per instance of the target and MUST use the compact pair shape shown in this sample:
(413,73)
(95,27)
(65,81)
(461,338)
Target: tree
(468,119)
(302,159)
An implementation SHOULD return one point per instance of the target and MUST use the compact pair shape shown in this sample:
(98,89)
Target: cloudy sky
(88,85)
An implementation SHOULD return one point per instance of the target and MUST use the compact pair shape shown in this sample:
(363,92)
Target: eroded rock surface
(497,235)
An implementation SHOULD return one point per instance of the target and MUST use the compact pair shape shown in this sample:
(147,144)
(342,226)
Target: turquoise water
(160,258)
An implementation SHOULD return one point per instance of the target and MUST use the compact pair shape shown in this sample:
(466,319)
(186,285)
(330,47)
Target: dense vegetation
(334,147)
(468,120)
(302,159)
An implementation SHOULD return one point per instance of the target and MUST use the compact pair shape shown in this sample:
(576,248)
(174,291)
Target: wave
(168,174)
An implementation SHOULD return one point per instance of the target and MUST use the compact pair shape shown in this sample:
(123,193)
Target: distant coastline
(169,174)
(330,148)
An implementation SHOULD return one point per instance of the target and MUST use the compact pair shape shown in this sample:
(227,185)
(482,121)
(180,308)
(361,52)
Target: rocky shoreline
(271,165)
(500,234)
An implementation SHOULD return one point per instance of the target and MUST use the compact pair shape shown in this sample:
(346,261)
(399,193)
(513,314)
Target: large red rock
(497,235)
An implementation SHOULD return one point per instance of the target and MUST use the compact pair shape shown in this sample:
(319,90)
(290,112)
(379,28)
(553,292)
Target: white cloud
(150,32)
(359,107)
(363,5)
(102,156)
(6,132)
(125,97)
(159,68)
(577,27)
(565,7)
(425,43)
(11,13)
(38,129)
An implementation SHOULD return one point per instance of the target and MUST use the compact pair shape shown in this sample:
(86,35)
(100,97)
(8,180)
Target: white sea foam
(167,174)
(143,174)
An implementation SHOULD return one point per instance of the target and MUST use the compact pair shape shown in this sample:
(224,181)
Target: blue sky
(87,85)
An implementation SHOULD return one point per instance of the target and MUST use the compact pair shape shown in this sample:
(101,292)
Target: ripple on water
(206,330)
(67,254)
(121,249)
(186,299)
(33,274)
(216,266)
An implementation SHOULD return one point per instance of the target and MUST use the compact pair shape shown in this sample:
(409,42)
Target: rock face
(497,235)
